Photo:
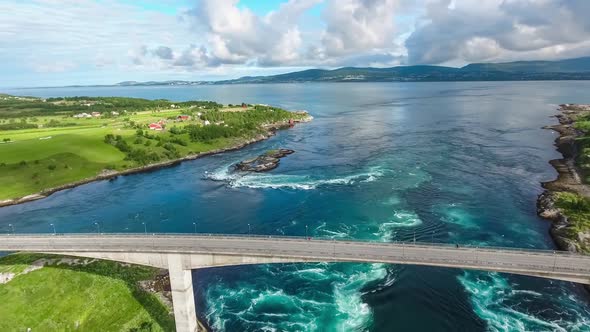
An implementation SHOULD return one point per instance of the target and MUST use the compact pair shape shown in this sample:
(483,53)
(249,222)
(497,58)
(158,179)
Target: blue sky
(65,42)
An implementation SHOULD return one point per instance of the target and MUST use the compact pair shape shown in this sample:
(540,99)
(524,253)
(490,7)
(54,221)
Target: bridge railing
(416,244)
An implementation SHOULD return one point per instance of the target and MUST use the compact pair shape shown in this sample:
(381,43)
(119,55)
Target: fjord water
(444,162)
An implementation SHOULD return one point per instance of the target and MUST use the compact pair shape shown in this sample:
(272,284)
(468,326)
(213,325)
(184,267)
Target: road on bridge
(558,265)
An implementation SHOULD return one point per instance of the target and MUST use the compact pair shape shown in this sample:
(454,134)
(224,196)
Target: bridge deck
(558,265)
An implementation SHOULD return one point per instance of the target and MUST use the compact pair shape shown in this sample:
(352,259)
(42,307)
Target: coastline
(569,178)
(271,130)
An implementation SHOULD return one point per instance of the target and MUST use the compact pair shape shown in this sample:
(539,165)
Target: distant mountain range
(569,69)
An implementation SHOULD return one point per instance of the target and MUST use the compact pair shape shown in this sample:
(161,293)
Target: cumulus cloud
(194,57)
(347,31)
(164,52)
(238,36)
(358,25)
(500,30)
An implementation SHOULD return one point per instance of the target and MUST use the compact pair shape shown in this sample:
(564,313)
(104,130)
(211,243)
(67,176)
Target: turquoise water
(446,162)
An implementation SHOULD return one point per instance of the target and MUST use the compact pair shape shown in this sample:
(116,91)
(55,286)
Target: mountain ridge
(567,69)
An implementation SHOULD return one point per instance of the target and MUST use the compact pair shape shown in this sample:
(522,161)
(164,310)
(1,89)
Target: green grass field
(43,146)
(99,296)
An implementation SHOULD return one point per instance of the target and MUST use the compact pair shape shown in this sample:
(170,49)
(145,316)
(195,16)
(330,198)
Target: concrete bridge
(182,253)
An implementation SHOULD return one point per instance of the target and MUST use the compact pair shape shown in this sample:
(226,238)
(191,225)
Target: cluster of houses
(93,115)
(158,126)
(162,123)
(86,115)
(20,98)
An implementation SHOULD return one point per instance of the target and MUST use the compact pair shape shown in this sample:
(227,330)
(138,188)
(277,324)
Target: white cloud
(358,25)
(163,52)
(238,35)
(500,30)
(43,33)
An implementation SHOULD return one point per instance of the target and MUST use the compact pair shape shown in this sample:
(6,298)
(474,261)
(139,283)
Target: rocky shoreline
(568,179)
(111,174)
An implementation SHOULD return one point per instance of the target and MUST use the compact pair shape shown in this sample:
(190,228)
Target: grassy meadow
(65,296)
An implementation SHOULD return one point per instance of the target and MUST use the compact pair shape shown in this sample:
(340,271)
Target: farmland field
(45,143)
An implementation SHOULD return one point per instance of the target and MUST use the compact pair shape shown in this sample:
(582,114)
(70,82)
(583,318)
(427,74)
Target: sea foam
(286,181)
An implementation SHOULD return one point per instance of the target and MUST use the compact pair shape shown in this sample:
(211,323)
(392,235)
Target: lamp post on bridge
(195,225)
(11,227)
(306,232)
(144,228)
(54,232)
(249,230)
(97,227)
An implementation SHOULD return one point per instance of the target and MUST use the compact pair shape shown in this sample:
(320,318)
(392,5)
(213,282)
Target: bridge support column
(181,283)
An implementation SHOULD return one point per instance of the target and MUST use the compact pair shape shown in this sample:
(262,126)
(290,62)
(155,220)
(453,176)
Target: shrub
(176,131)
(179,141)
(109,139)
(16,126)
(122,146)
(142,157)
(169,147)
(573,202)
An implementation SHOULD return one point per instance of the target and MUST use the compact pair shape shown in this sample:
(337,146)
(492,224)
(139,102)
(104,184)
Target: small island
(266,162)
(566,200)
(50,144)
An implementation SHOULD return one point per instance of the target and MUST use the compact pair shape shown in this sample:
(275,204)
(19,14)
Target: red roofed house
(183,117)
(156,126)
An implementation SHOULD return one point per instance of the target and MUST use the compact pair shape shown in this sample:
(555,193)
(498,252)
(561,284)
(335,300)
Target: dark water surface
(447,162)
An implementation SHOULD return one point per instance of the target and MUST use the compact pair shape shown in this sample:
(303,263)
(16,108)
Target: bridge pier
(181,284)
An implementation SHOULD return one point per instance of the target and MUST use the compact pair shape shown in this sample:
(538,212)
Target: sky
(71,42)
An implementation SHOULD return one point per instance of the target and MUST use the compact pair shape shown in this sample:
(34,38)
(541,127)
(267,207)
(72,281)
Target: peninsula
(51,144)
(566,200)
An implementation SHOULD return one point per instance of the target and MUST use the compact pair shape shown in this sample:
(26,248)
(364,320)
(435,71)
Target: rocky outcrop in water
(266,162)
